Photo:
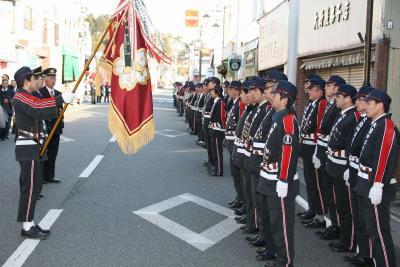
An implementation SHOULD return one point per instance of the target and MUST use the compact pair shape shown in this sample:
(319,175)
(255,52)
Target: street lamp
(205,18)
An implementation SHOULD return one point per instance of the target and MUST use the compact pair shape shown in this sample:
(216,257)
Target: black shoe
(41,196)
(46,232)
(266,256)
(307,221)
(272,263)
(53,180)
(233,202)
(248,231)
(237,205)
(241,208)
(215,174)
(341,248)
(301,213)
(241,219)
(307,216)
(243,227)
(363,262)
(331,234)
(240,212)
(321,232)
(33,233)
(258,243)
(261,250)
(251,238)
(316,224)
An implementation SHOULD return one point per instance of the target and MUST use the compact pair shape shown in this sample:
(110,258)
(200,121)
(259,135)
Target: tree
(97,27)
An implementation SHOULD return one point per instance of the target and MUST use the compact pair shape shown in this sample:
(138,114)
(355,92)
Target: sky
(168,16)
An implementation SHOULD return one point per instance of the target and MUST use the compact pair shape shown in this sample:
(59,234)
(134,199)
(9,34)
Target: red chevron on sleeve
(223,114)
(320,115)
(35,102)
(288,125)
(386,147)
(241,108)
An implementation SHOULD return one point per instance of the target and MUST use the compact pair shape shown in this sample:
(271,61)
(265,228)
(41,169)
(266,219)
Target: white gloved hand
(375,193)
(281,189)
(346,176)
(68,97)
(316,161)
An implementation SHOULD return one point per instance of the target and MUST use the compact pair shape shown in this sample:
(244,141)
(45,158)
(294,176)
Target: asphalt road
(155,208)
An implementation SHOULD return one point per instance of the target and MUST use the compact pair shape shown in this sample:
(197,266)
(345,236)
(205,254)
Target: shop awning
(339,60)
(70,63)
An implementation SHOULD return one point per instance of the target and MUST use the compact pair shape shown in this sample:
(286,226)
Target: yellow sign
(192,18)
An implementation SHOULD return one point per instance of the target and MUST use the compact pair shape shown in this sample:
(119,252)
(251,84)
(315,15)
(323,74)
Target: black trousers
(199,127)
(50,164)
(377,219)
(40,176)
(282,214)
(256,199)
(266,222)
(250,209)
(307,152)
(217,138)
(361,234)
(107,99)
(329,195)
(235,172)
(207,140)
(28,187)
(180,107)
(343,196)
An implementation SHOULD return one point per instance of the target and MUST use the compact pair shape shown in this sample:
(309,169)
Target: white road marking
(202,241)
(303,203)
(26,248)
(166,109)
(113,139)
(91,167)
(170,133)
(64,139)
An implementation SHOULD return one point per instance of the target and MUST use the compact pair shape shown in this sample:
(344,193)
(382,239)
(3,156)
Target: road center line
(91,167)
(26,248)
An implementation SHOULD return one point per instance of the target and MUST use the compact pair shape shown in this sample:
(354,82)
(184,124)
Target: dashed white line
(26,248)
(113,139)
(91,167)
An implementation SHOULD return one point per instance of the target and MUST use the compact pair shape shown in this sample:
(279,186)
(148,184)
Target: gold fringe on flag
(130,143)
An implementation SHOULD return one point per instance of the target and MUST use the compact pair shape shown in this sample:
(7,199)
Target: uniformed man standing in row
(279,169)
(337,165)
(199,115)
(29,111)
(376,185)
(48,91)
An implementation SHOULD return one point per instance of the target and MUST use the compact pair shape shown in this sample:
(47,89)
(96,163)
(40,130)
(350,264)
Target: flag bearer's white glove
(375,193)
(68,97)
(281,189)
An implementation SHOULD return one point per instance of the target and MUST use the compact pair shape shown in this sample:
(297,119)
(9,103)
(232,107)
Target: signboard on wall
(333,25)
(273,40)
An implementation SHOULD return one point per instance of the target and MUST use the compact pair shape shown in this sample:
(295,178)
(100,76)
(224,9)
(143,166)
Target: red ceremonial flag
(125,59)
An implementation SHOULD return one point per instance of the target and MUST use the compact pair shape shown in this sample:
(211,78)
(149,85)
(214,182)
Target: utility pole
(200,54)
(367,44)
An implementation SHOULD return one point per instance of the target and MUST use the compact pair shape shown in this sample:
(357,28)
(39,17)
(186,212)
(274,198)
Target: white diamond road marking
(202,241)
(64,139)
(170,133)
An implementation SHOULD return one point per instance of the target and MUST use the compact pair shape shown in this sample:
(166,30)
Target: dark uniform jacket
(218,116)
(50,123)
(232,119)
(355,148)
(339,142)
(311,121)
(378,158)
(255,124)
(237,145)
(209,102)
(29,112)
(6,95)
(199,106)
(281,154)
(258,141)
(330,115)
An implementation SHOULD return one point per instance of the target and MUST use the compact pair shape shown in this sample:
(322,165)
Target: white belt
(354,165)
(237,143)
(337,153)
(207,116)
(308,142)
(322,143)
(337,161)
(258,145)
(218,129)
(324,138)
(274,177)
(241,150)
(229,137)
(246,153)
(257,152)
(308,136)
(25,142)
(365,176)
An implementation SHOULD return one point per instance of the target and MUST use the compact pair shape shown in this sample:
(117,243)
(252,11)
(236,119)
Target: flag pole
(51,134)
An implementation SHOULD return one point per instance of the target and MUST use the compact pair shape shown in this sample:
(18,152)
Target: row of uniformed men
(264,144)
(35,108)
(350,149)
